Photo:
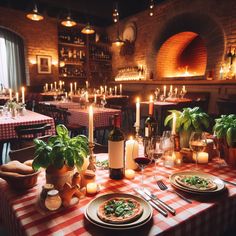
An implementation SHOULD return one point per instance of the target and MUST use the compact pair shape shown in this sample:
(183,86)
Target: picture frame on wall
(44,64)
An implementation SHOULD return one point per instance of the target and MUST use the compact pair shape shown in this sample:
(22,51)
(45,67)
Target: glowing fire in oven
(184,72)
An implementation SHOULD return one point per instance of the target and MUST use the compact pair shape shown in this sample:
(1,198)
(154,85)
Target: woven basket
(18,181)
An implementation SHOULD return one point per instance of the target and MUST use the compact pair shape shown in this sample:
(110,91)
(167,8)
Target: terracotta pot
(58,177)
(184,137)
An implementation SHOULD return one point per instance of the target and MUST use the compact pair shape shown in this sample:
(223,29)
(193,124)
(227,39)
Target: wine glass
(144,157)
(103,102)
(197,143)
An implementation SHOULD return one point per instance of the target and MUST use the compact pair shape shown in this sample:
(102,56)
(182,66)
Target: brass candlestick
(92,158)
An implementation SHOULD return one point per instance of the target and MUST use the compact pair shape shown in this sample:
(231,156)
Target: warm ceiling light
(88,30)
(151,7)
(68,22)
(118,42)
(35,15)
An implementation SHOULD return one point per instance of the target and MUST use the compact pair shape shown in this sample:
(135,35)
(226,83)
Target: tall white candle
(164,93)
(55,85)
(105,89)
(90,124)
(174,124)
(131,152)
(137,112)
(115,90)
(60,85)
(86,84)
(71,87)
(95,98)
(23,94)
(176,91)
(184,88)
(17,97)
(171,88)
(120,89)
(46,87)
(51,86)
(75,84)
(110,91)
(10,94)
(66,94)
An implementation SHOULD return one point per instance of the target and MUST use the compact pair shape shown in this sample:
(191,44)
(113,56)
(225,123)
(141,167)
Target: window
(3,64)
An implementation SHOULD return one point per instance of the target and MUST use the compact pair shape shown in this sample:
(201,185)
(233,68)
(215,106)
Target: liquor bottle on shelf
(116,151)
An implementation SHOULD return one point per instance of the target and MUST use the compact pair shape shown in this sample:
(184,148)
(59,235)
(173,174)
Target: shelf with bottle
(72,71)
(98,53)
(71,55)
(70,38)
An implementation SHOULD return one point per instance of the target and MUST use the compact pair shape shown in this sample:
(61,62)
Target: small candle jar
(87,177)
(92,188)
(45,189)
(53,200)
(129,174)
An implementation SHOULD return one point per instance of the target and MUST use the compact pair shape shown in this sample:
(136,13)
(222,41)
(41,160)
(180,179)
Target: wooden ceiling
(98,12)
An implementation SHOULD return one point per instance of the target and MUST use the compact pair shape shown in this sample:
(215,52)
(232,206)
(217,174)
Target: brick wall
(40,38)
(213,20)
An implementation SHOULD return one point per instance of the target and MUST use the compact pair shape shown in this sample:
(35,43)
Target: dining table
(208,214)
(8,124)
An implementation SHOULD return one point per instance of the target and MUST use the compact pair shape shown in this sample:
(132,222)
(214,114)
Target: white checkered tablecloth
(8,124)
(207,215)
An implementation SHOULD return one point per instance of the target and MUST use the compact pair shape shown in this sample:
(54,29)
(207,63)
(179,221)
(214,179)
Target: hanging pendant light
(68,22)
(88,29)
(151,8)
(35,15)
(118,42)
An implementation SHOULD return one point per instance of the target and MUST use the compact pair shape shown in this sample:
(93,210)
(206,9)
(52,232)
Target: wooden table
(8,124)
(207,215)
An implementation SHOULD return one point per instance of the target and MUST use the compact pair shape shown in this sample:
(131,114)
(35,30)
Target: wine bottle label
(146,132)
(116,154)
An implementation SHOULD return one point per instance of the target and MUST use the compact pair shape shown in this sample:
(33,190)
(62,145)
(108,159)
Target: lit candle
(10,94)
(23,94)
(92,188)
(86,97)
(46,87)
(63,83)
(202,157)
(171,88)
(71,87)
(176,91)
(120,89)
(105,89)
(137,112)
(17,97)
(115,90)
(129,174)
(75,84)
(90,124)
(164,93)
(60,85)
(51,86)
(110,91)
(101,88)
(174,124)
(86,84)
(95,98)
(55,84)
(183,88)
(66,94)
(131,152)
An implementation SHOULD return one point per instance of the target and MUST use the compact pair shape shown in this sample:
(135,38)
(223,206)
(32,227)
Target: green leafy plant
(190,119)
(60,149)
(225,127)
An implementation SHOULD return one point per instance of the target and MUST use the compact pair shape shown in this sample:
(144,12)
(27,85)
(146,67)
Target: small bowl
(19,181)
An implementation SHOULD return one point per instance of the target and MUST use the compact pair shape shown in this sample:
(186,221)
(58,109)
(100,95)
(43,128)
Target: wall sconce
(32,61)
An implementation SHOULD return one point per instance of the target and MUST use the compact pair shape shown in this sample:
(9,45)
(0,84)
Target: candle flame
(131,138)
(151,98)
(137,99)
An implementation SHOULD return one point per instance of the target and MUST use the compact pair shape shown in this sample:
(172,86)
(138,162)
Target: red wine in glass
(142,161)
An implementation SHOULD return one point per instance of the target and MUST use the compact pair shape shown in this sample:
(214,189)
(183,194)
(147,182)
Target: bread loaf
(17,167)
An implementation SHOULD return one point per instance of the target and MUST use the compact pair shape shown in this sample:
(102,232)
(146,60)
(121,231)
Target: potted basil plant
(225,131)
(187,121)
(59,156)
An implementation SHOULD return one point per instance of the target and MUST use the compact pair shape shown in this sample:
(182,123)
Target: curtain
(3,64)
(15,59)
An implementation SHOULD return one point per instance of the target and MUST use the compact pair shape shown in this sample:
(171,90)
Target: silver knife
(160,202)
(154,205)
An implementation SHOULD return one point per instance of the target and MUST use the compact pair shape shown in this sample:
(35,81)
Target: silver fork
(163,187)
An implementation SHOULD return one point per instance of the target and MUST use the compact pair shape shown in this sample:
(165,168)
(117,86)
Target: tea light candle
(138,112)
(23,94)
(90,124)
(164,88)
(131,152)
(17,97)
(10,94)
(129,174)
(202,157)
(92,188)
(120,89)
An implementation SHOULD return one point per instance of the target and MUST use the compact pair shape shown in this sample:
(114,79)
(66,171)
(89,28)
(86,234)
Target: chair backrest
(22,154)
(61,116)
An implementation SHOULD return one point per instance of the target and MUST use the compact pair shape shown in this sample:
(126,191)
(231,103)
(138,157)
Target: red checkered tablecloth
(205,216)
(8,124)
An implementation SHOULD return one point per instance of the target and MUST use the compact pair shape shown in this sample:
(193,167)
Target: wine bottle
(116,151)
(150,123)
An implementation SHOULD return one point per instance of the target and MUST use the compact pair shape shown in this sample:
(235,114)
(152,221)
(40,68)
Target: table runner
(205,216)
(8,124)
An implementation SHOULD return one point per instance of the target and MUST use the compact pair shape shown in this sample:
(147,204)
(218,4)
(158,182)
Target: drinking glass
(143,158)
(103,102)
(197,143)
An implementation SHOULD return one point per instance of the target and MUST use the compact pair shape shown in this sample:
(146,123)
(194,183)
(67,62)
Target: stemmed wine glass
(197,143)
(144,158)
